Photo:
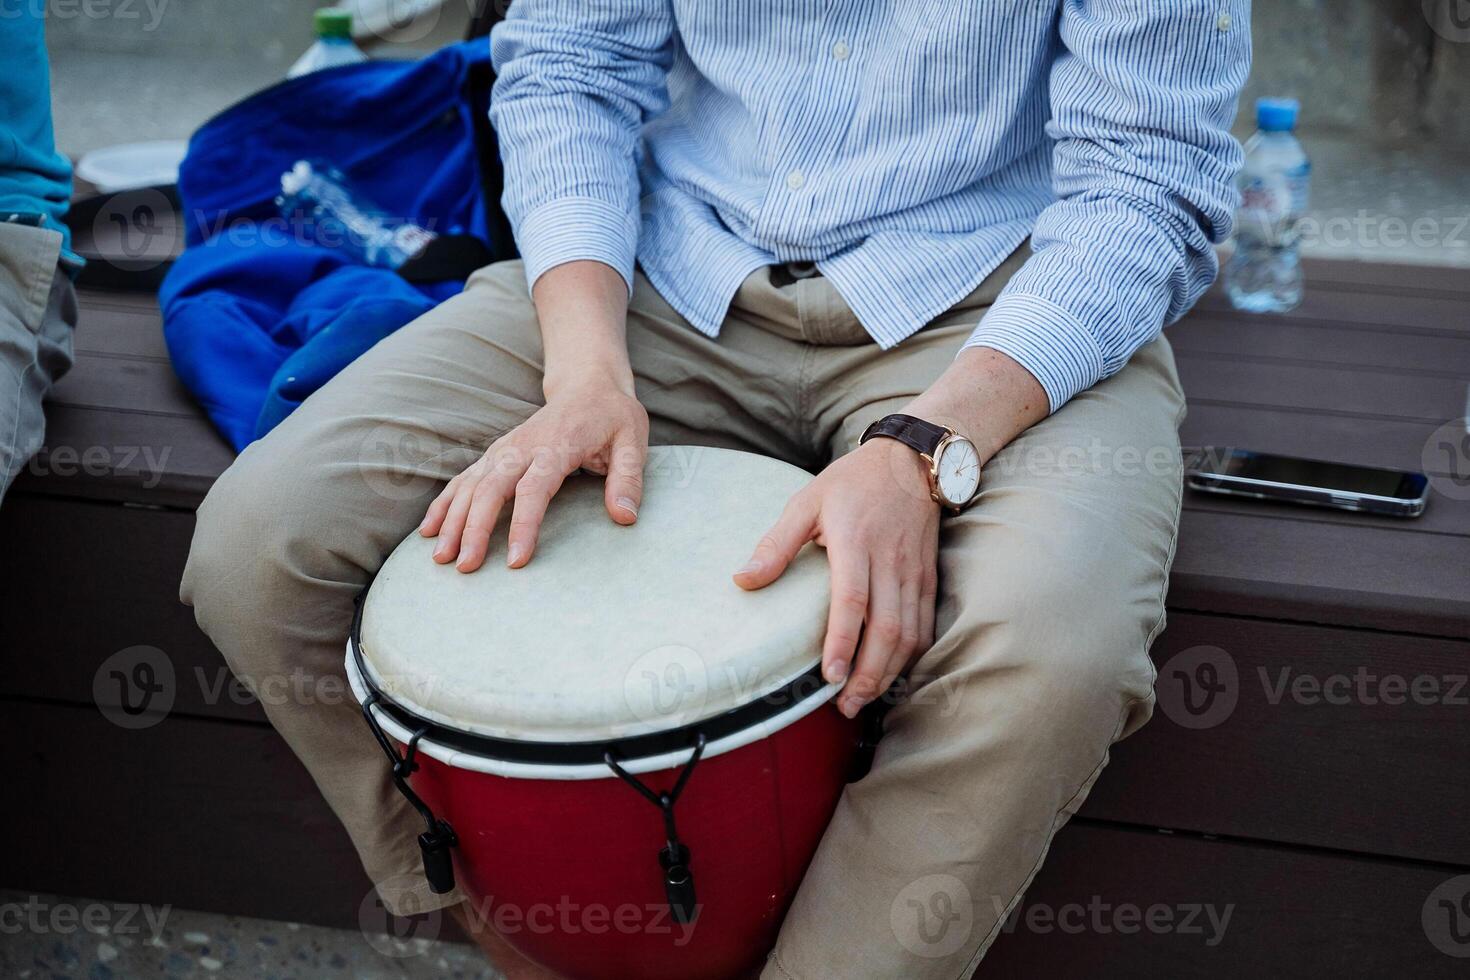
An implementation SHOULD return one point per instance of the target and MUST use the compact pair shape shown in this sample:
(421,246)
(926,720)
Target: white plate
(132,165)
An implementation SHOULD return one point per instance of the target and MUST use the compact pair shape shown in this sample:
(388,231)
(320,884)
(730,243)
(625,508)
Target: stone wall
(273,31)
(1386,72)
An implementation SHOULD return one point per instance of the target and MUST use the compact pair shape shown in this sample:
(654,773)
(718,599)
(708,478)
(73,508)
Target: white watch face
(958,472)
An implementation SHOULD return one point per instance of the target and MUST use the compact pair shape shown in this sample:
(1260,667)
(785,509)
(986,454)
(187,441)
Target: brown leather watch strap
(918,435)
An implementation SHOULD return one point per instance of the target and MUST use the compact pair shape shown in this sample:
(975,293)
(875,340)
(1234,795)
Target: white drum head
(610,632)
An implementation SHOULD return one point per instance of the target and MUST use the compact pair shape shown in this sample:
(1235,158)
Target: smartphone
(1242,473)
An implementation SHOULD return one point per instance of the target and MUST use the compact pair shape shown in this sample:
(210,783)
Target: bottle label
(1298,184)
(1272,204)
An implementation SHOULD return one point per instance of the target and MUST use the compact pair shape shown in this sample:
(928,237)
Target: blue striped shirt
(904,146)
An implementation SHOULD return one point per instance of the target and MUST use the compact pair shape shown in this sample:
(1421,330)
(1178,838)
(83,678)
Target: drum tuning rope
(673,857)
(435,842)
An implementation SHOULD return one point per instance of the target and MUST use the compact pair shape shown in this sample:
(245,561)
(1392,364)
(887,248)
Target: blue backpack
(255,318)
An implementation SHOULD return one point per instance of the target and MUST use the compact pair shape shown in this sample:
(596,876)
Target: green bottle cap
(333,22)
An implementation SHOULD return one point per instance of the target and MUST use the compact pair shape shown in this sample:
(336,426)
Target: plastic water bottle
(333,43)
(1265,273)
(330,212)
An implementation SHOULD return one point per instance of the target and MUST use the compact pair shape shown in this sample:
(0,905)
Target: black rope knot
(435,842)
(673,857)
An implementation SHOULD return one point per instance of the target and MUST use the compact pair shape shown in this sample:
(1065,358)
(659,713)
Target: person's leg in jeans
(38,311)
(1051,588)
(293,530)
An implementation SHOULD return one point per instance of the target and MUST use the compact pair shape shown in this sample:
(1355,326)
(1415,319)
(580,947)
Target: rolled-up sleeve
(575,81)
(1144,165)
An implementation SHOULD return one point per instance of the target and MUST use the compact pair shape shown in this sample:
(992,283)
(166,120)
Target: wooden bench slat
(205,815)
(1382,393)
(138,333)
(1444,515)
(125,383)
(1305,747)
(125,563)
(1398,278)
(107,454)
(1366,441)
(1256,564)
(1421,311)
(1292,913)
(1325,344)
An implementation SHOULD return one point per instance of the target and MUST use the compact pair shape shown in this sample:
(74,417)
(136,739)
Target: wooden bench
(1319,822)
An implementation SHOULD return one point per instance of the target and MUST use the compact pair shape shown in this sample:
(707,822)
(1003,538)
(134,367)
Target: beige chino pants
(1051,585)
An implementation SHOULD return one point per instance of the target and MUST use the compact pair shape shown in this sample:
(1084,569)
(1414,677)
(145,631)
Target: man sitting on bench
(770,228)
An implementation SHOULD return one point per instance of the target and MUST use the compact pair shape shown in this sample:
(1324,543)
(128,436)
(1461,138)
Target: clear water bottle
(333,43)
(328,211)
(1265,273)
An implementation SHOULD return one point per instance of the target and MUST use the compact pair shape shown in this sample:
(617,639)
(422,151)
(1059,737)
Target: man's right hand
(591,420)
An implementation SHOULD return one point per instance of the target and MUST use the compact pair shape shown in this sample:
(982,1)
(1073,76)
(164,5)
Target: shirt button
(1223,22)
(840,51)
(795,180)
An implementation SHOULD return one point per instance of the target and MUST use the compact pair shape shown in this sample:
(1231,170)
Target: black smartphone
(1242,473)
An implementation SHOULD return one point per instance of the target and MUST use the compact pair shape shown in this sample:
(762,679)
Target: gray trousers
(38,310)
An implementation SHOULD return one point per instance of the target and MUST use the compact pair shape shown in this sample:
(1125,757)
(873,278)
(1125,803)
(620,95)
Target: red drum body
(567,871)
(624,760)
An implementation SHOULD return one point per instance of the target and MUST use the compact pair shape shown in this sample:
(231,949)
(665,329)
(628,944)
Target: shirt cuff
(572,228)
(1046,340)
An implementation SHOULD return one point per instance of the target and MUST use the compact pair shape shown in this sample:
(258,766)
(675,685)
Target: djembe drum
(626,759)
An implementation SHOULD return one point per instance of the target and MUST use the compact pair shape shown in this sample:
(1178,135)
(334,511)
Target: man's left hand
(872,511)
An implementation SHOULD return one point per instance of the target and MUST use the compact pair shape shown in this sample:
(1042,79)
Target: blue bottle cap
(1277,115)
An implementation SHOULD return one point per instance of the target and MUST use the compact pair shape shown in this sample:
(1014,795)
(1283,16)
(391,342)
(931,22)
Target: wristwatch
(954,462)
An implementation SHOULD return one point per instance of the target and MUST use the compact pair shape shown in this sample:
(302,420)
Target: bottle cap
(333,22)
(1277,115)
